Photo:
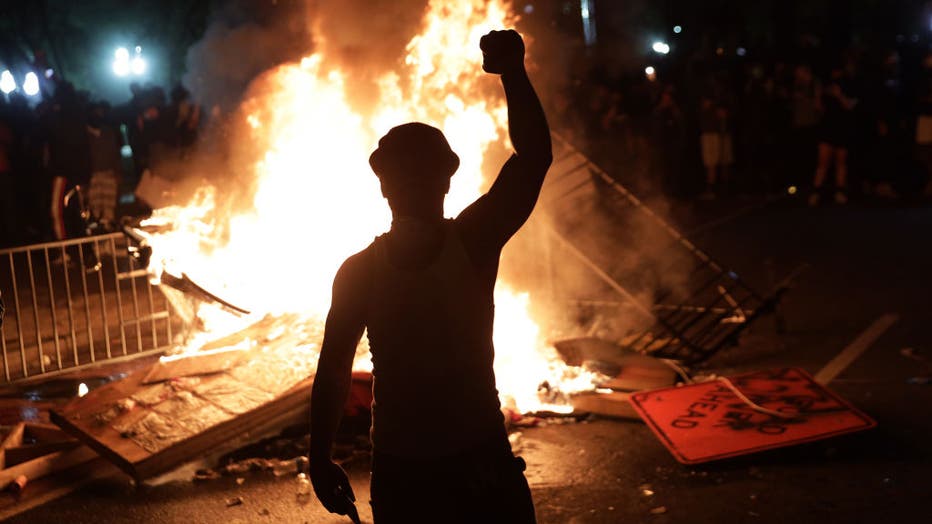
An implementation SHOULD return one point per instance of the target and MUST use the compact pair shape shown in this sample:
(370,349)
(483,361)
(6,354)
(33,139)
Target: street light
(7,83)
(121,62)
(661,47)
(123,65)
(677,29)
(650,73)
(31,84)
(138,66)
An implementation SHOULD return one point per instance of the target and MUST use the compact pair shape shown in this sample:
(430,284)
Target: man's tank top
(430,333)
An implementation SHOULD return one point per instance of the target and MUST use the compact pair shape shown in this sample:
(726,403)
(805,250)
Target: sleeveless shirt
(430,334)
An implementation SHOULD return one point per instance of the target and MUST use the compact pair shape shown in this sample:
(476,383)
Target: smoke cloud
(243,39)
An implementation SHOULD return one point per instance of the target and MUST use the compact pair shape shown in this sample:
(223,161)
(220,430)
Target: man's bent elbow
(538,162)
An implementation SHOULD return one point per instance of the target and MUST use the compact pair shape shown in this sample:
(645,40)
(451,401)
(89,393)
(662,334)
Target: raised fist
(502,52)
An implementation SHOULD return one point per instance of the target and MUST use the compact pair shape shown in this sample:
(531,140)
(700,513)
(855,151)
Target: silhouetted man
(424,293)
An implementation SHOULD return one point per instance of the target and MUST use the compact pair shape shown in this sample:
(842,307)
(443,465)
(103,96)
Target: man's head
(414,163)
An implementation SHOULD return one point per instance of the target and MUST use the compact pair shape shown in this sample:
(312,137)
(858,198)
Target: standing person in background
(806,111)
(923,135)
(716,144)
(105,167)
(835,135)
(669,137)
(9,227)
(66,159)
(430,281)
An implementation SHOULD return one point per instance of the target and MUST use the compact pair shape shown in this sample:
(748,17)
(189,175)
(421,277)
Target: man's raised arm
(496,216)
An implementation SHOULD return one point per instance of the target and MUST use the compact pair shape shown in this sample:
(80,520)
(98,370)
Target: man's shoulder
(357,268)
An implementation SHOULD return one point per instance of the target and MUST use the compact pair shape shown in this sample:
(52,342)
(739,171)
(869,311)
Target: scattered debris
(646,490)
(303,464)
(303,492)
(264,512)
(235,501)
(203,475)
(240,481)
(659,510)
(515,440)
(613,404)
(17,485)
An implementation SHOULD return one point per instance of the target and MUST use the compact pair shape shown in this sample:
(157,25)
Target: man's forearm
(327,399)
(527,125)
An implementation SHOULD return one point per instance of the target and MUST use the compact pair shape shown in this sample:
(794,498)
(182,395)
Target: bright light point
(138,65)
(791,190)
(649,70)
(49,73)
(528,9)
(677,29)
(120,67)
(741,51)
(661,47)
(7,83)
(126,151)
(121,54)
(82,389)
(138,49)
(31,84)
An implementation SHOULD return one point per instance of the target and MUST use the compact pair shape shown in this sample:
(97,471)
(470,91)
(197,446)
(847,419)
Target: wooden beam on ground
(46,433)
(42,466)
(614,404)
(13,438)
(19,454)
(51,487)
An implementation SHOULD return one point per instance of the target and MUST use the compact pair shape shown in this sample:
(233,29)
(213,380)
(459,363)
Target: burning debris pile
(303,137)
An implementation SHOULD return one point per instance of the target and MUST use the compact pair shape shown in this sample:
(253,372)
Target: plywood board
(148,429)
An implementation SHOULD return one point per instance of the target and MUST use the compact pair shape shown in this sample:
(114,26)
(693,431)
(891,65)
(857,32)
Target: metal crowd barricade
(76,303)
(683,304)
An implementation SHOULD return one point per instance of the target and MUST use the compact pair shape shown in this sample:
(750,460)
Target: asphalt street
(866,261)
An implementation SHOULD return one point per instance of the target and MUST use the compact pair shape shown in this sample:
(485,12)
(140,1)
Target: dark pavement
(866,261)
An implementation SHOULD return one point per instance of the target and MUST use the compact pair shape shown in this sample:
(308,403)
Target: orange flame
(317,201)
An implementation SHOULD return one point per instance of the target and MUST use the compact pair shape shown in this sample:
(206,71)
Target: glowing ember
(316,200)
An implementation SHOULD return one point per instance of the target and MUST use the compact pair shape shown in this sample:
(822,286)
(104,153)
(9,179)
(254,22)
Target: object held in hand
(351,511)
(502,51)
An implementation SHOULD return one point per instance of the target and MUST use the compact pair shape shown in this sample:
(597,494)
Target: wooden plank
(614,404)
(13,438)
(46,432)
(42,466)
(51,487)
(19,454)
(202,363)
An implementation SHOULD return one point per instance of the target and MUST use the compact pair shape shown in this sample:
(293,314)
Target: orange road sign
(781,407)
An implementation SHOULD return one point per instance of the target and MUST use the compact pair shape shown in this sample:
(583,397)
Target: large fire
(317,201)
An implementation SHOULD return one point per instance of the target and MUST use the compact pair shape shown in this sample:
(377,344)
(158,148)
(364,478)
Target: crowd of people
(65,161)
(855,126)
(831,130)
